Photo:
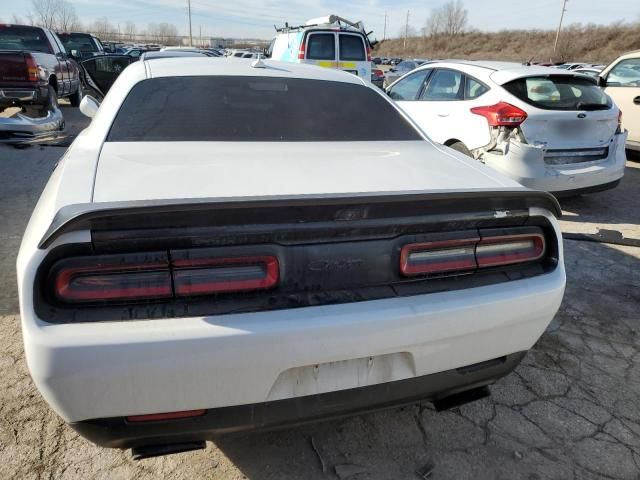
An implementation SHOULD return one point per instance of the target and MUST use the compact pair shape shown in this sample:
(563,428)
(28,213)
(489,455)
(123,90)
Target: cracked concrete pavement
(570,410)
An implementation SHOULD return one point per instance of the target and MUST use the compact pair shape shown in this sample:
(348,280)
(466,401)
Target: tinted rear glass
(220,108)
(78,41)
(321,46)
(352,48)
(23,38)
(559,93)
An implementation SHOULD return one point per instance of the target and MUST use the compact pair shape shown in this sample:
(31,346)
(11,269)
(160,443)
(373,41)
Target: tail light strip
(468,254)
(97,281)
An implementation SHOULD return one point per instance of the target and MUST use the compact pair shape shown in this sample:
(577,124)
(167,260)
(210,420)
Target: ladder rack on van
(329,20)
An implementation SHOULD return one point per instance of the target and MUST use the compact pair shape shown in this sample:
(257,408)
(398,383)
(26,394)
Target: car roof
(195,66)
(498,72)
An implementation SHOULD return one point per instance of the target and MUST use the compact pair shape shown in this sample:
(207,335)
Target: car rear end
(242,276)
(339,48)
(559,133)
(21,79)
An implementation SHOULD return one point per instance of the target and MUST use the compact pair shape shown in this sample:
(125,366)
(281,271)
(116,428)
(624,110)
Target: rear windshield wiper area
(592,106)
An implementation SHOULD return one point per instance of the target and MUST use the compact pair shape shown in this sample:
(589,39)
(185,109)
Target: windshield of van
(237,109)
(559,92)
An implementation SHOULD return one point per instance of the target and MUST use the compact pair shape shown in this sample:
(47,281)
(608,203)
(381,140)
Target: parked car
(571,66)
(547,129)
(198,266)
(621,81)
(173,54)
(209,52)
(377,76)
(398,71)
(99,73)
(376,60)
(330,41)
(34,71)
(134,52)
(589,71)
(81,45)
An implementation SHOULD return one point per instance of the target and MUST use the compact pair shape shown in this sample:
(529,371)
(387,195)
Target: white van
(330,42)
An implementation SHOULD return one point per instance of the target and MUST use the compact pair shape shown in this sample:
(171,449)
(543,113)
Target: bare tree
(54,14)
(102,28)
(16,20)
(450,19)
(43,13)
(130,30)
(66,19)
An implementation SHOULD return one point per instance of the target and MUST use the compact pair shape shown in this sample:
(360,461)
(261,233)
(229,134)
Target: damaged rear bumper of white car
(562,172)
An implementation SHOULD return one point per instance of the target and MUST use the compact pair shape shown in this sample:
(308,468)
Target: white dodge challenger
(234,246)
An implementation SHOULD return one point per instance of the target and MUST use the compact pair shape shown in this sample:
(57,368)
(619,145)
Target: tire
(461,147)
(51,102)
(76,98)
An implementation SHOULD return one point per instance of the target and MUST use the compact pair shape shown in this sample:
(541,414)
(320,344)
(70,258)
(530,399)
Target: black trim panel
(299,209)
(118,433)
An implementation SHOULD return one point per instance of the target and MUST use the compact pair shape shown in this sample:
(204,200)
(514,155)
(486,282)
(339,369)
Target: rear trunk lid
(565,112)
(186,170)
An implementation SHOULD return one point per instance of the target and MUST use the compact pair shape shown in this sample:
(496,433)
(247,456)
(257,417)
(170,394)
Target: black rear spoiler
(293,210)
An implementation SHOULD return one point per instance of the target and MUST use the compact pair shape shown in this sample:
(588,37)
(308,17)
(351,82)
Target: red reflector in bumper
(156,417)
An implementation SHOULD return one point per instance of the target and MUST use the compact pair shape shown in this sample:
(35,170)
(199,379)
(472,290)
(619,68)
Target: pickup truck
(35,68)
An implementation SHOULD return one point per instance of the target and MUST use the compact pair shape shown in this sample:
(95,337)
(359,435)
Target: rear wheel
(76,98)
(461,147)
(51,103)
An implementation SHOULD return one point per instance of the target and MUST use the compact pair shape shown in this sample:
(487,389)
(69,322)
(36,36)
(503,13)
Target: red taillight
(506,250)
(501,114)
(127,277)
(468,254)
(156,417)
(94,280)
(619,129)
(438,257)
(302,50)
(203,276)
(378,73)
(32,68)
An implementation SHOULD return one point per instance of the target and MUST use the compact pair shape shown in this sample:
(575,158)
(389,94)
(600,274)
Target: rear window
(352,48)
(233,109)
(78,41)
(321,46)
(24,38)
(559,93)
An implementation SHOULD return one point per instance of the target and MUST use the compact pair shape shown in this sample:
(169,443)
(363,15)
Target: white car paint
(106,369)
(523,159)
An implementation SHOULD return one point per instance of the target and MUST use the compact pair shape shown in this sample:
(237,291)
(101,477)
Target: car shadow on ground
(609,209)
(583,371)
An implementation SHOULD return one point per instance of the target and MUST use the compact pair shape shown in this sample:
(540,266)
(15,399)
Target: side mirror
(89,106)
(602,82)
(75,53)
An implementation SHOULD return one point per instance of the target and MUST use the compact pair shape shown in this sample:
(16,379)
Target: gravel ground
(571,410)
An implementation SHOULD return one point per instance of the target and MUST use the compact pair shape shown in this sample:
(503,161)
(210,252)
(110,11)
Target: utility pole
(406,30)
(200,37)
(190,34)
(564,9)
(384,35)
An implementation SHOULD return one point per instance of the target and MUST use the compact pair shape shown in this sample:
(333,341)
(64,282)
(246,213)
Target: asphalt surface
(571,410)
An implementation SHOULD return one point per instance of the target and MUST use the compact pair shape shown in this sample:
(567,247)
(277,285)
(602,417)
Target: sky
(255,18)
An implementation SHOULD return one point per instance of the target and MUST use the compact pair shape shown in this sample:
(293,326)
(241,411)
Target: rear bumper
(22,129)
(119,433)
(525,164)
(23,96)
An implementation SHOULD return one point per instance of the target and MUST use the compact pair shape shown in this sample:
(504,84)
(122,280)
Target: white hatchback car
(223,249)
(546,128)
